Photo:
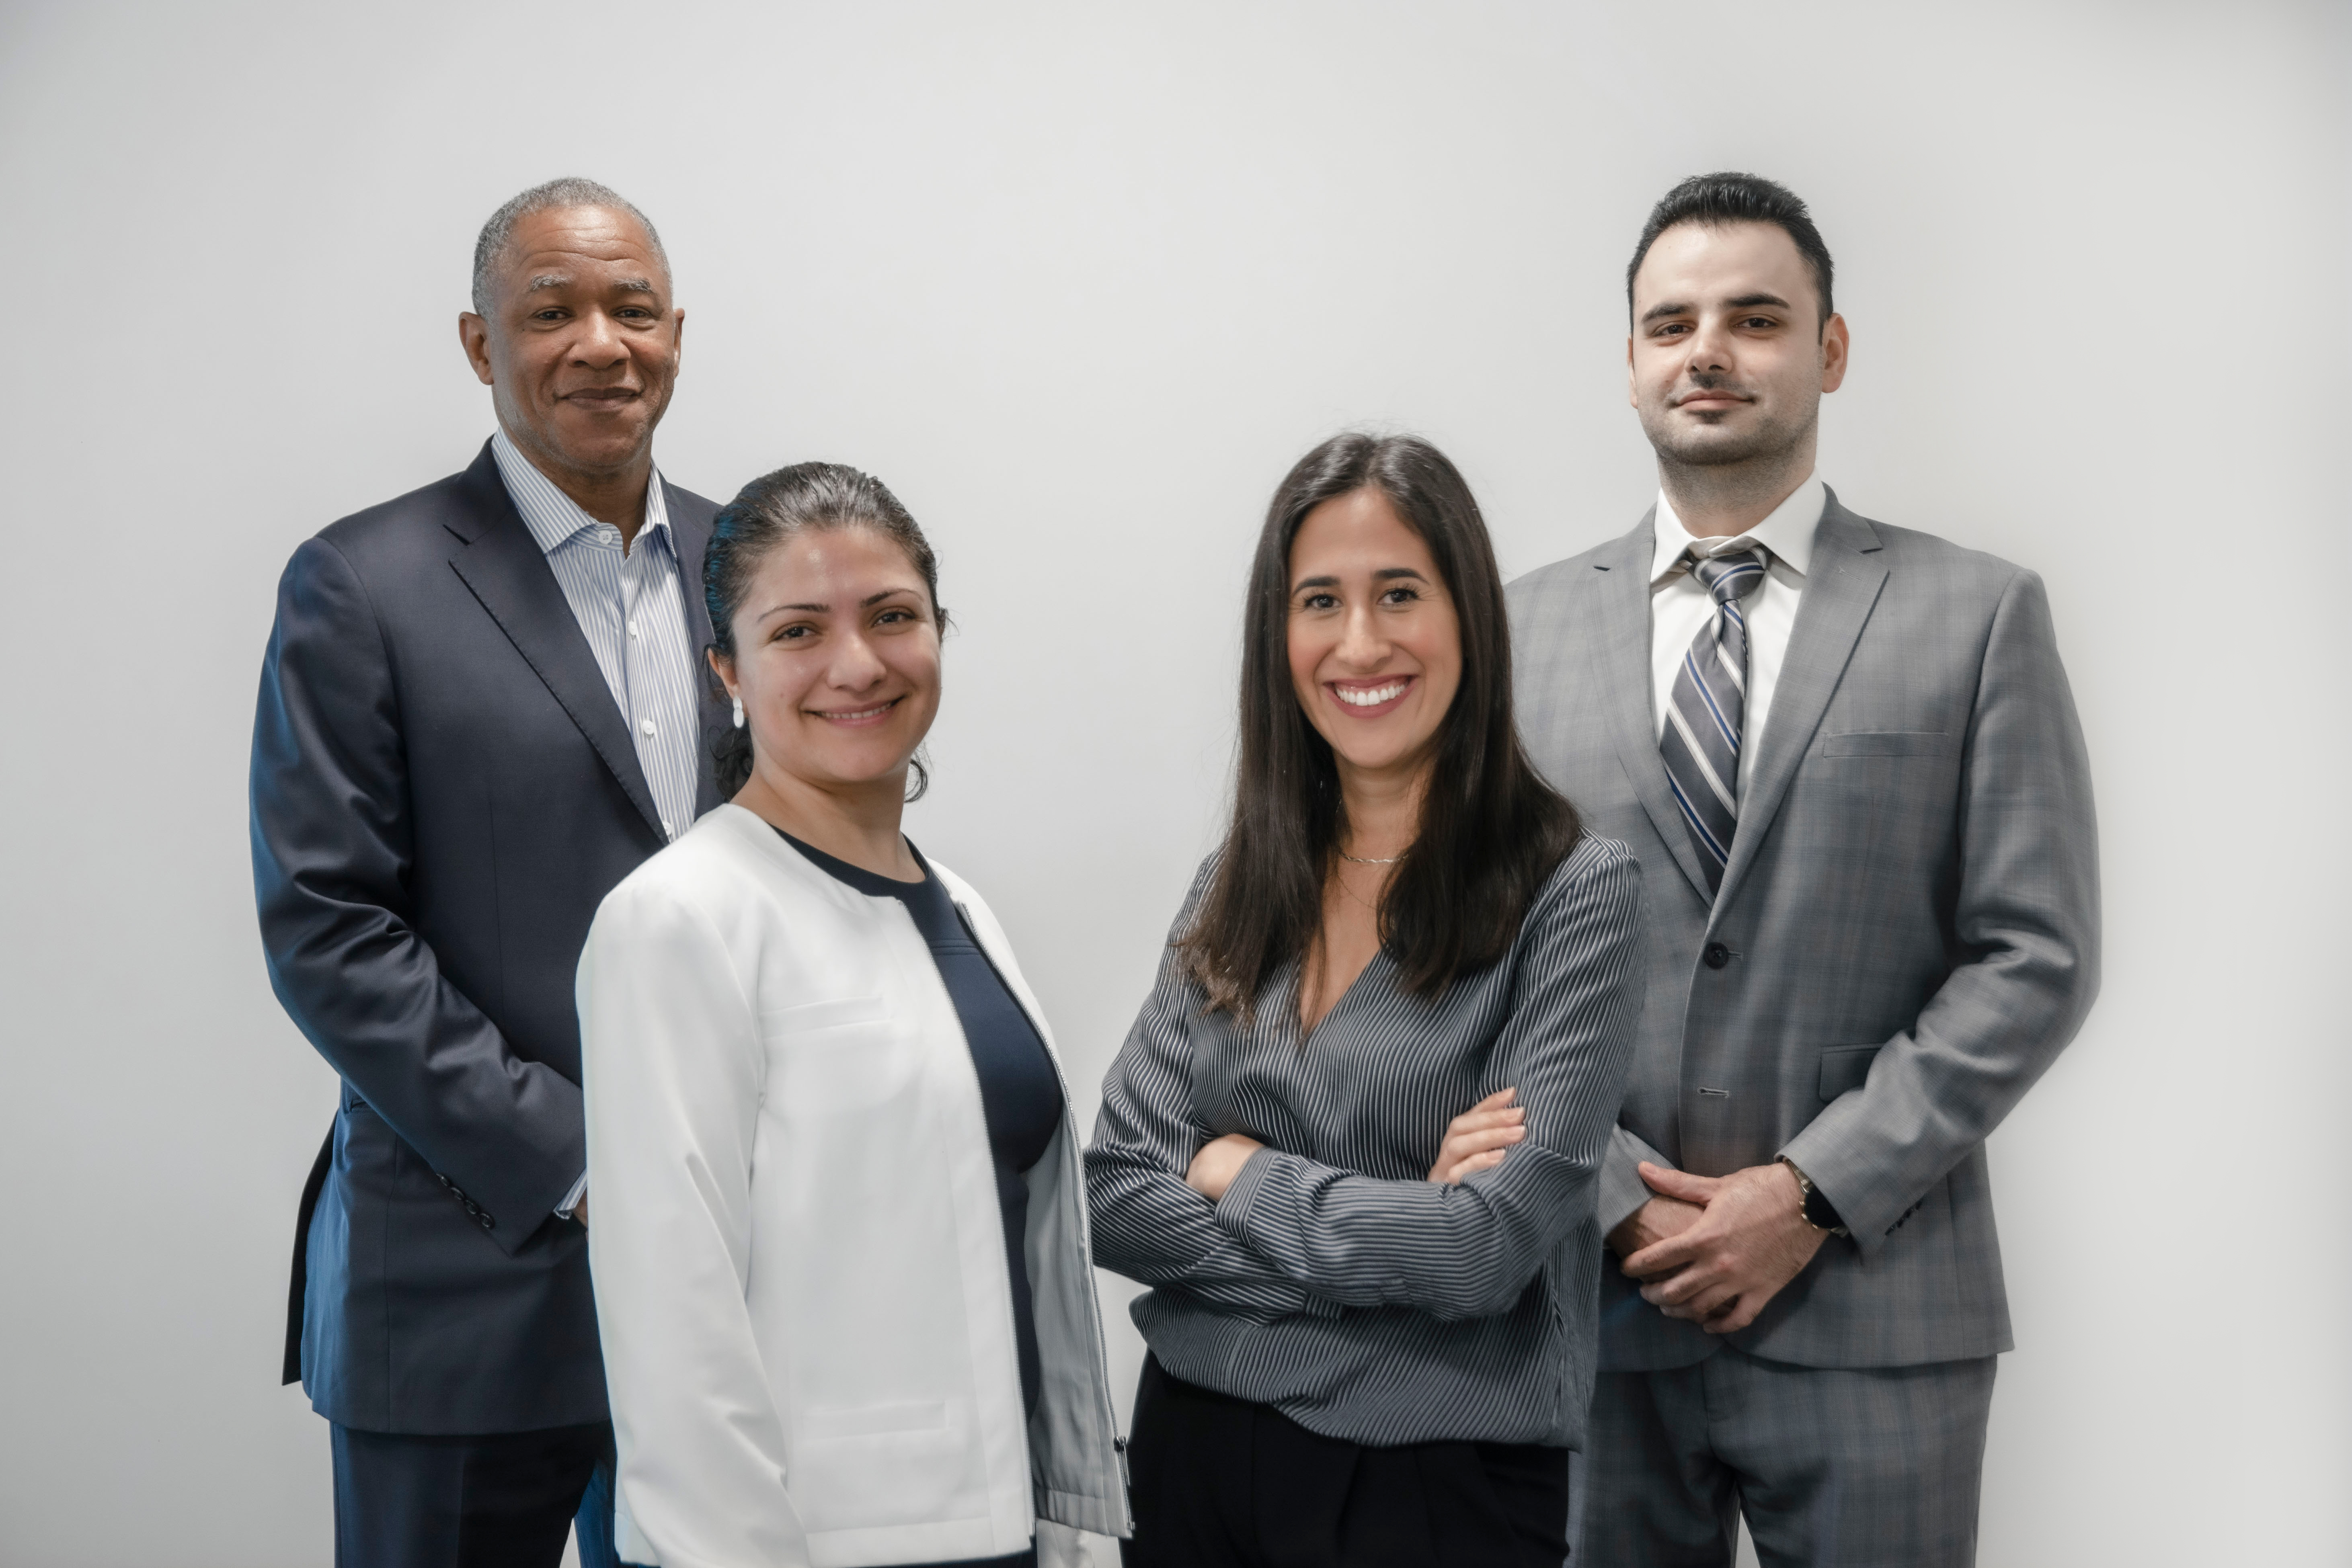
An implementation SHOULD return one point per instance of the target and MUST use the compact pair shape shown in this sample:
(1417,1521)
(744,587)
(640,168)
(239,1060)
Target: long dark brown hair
(1491,829)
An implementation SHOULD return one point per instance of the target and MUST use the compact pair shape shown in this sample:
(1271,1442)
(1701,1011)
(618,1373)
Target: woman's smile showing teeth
(1370,697)
(861,716)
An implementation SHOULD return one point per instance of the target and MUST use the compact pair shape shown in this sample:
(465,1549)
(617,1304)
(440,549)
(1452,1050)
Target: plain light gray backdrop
(1080,282)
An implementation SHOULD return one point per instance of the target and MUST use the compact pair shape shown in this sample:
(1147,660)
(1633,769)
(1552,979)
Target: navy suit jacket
(442,791)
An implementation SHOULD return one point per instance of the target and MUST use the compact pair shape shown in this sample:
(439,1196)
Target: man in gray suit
(1847,758)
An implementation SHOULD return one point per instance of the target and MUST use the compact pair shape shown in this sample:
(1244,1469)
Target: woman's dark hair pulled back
(1492,832)
(767,514)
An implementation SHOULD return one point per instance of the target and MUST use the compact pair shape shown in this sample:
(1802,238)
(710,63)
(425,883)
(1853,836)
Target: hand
(579,1210)
(1652,1223)
(1218,1163)
(1477,1139)
(1751,1240)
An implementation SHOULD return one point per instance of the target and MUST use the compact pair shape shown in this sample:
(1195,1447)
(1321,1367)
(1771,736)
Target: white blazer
(798,1253)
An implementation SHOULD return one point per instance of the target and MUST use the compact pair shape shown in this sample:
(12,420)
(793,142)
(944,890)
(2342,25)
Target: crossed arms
(1289,1235)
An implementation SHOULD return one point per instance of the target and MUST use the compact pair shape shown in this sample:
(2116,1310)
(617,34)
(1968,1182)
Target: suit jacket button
(1717,955)
(488,1223)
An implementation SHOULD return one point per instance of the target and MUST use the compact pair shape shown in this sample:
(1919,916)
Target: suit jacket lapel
(690,531)
(1620,654)
(1839,595)
(501,563)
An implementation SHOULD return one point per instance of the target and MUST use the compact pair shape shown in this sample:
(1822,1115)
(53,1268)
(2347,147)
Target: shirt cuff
(1232,1210)
(571,1200)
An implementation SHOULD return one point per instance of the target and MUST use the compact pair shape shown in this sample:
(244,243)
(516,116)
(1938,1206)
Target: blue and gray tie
(1701,743)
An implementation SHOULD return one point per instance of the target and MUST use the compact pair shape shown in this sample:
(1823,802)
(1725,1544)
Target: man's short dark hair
(571,190)
(1731,198)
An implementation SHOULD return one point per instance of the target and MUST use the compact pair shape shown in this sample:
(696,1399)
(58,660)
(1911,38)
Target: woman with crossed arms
(840,1241)
(1371,1333)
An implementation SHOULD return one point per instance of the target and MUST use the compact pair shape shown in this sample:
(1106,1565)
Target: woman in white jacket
(839,1238)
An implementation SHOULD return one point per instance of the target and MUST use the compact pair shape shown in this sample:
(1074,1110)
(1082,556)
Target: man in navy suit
(482,706)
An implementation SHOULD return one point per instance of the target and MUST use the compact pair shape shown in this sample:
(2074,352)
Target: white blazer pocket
(841,1054)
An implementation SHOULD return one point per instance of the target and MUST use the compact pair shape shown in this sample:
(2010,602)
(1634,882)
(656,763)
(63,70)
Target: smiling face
(836,664)
(1729,357)
(1375,646)
(581,348)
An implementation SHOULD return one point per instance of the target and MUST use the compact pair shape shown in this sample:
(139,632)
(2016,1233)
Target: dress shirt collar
(554,518)
(1787,534)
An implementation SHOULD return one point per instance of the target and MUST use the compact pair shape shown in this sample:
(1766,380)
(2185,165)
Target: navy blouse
(1020,1093)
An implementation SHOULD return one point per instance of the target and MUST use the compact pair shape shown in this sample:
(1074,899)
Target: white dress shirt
(629,608)
(1680,604)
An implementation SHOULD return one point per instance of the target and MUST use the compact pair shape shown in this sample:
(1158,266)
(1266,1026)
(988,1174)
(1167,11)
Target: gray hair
(569,192)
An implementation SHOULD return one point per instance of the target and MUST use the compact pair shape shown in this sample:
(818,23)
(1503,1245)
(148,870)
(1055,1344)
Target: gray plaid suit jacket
(1907,934)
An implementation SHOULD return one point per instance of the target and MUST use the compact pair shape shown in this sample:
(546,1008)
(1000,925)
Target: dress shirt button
(666,827)
(1717,955)
(645,727)
(633,628)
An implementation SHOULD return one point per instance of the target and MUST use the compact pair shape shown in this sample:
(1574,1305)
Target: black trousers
(1223,1483)
(502,1501)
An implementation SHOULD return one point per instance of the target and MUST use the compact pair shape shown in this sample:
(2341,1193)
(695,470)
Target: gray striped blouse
(1334,1280)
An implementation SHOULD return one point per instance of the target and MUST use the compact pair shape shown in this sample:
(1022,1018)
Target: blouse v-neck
(1298,990)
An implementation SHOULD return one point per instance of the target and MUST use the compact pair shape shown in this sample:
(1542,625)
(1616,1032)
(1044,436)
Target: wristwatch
(1819,1212)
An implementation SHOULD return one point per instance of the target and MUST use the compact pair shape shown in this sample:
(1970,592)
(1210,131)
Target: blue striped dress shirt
(629,608)
(1334,1280)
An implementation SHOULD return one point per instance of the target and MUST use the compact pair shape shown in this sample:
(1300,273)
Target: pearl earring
(739,713)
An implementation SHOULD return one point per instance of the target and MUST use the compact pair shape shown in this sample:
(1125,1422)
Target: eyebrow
(867,603)
(565,280)
(1665,308)
(1385,574)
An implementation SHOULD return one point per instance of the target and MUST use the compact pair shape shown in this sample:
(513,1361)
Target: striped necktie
(1701,743)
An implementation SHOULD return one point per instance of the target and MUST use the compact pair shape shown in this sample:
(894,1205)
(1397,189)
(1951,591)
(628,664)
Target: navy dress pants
(506,1499)
(1223,1483)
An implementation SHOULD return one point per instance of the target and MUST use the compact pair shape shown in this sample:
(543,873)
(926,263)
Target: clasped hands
(1477,1139)
(1713,1250)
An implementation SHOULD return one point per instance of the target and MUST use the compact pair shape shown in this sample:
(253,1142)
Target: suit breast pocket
(1887,743)
(843,1053)
(814,1017)
(1844,1067)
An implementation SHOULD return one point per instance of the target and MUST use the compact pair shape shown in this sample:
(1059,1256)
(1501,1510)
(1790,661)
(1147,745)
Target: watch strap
(1819,1211)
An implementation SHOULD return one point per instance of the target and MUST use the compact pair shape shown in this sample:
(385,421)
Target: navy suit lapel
(503,566)
(690,520)
(1621,655)
(1839,593)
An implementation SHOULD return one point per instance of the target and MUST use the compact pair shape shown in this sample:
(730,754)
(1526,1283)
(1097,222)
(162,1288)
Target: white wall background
(1080,281)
